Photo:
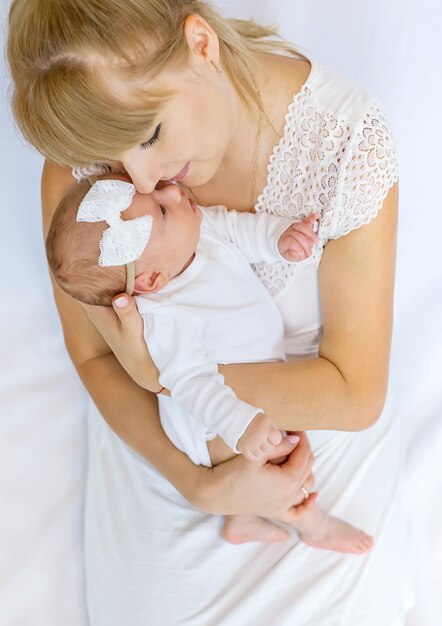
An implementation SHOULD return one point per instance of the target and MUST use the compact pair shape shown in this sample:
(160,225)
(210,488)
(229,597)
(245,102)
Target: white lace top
(336,156)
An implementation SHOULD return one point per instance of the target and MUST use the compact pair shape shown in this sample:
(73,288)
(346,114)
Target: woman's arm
(345,387)
(132,412)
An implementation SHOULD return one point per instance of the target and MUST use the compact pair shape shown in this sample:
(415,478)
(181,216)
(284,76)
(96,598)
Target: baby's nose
(173,192)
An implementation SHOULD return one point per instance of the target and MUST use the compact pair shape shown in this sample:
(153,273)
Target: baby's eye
(163,209)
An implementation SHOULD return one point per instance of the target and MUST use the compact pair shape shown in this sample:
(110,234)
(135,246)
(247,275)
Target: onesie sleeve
(255,234)
(368,172)
(175,338)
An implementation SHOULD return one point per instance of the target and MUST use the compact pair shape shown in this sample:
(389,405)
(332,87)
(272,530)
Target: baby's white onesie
(215,312)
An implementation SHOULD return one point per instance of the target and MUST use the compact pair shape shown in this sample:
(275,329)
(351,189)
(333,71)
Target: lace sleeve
(95,169)
(370,170)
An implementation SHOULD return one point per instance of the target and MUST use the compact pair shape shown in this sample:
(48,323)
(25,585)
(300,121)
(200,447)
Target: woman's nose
(143,177)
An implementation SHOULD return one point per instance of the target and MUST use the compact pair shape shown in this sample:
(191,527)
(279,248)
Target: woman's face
(191,135)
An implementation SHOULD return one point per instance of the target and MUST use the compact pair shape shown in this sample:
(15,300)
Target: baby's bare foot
(334,534)
(239,529)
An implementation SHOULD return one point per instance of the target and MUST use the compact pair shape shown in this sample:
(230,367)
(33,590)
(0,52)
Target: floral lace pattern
(124,240)
(324,164)
(95,169)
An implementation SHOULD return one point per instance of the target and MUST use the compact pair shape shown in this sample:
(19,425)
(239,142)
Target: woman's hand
(239,486)
(122,329)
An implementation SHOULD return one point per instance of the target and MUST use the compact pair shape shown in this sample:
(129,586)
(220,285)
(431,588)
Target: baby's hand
(260,438)
(296,243)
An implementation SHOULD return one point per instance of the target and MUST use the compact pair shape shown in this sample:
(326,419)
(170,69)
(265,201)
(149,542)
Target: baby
(202,305)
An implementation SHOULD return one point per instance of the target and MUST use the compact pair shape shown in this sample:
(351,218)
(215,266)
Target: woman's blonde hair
(61,53)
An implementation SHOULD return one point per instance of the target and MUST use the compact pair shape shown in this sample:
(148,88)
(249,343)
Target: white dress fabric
(216,311)
(154,560)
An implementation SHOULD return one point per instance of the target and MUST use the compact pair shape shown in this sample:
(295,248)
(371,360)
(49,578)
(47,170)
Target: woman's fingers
(129,345)
(123,330)
(293,514)
(299,465)
(267,489)
(130,320)
(283,449)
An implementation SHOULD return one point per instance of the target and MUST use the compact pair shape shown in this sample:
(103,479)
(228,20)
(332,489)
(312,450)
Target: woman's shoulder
(337,155)
(331,120)
(334,94)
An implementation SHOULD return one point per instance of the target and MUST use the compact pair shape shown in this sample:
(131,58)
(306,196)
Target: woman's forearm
(230,487)
(132,413)
(344,388)
(305,394)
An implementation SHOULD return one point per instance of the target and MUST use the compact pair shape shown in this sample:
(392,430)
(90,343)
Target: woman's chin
(195,180)
(199,176)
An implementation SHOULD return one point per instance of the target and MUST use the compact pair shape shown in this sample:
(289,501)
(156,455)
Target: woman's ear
(202,40)
(149,282)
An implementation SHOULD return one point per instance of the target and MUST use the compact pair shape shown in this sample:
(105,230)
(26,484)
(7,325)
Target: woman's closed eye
(155,137)
(163,209)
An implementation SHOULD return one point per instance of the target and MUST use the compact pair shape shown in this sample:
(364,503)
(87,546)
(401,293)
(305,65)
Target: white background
(393,49)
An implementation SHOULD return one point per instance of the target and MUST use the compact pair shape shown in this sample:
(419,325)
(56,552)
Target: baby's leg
(318,529)
(239,529)
(314,526)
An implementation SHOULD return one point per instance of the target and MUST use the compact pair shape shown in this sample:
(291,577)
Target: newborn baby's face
(174,237)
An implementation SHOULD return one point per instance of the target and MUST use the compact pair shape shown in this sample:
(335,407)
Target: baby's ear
(149,282)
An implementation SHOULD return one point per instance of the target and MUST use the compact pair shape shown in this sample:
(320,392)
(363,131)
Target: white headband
(124,240)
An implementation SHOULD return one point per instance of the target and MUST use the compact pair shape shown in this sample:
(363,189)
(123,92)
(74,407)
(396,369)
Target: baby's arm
(176,343)
(265,237)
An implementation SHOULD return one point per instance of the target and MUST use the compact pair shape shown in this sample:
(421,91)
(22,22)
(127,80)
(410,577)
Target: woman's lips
(181,174)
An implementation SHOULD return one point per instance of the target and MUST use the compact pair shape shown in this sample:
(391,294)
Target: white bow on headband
(124,240)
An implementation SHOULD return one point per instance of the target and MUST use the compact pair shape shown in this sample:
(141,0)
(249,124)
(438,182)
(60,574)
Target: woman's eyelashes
(155,137)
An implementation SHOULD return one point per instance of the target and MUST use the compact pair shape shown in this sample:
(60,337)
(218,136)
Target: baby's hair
(72,249)
(63,54)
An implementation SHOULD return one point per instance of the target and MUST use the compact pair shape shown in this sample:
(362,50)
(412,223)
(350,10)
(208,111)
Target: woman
(171,91)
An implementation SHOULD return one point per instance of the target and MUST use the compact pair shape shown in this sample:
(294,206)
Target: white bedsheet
(42,404)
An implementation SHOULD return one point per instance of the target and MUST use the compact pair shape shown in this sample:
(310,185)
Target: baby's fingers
(275,437)
(258,452)
(311,219)
(305,243)
(292,250)
(267,448)
(305,229)
(255,454)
